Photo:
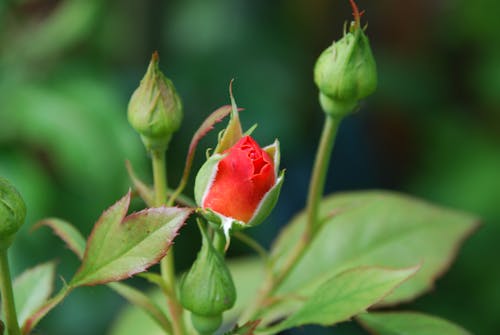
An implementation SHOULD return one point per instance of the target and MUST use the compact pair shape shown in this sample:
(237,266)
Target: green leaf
(120,246)
(76,242)
(32,289)
(408,323)
(374,228)
(345,295)
(67,232)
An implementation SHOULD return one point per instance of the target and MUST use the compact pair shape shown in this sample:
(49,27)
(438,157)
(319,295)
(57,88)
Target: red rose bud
(240,185)
(243,178)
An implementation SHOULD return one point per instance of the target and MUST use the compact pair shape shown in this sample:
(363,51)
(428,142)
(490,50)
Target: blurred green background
(432,129)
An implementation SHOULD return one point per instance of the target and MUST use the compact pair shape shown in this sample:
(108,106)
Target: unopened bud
(207,290)
(345,72)
(12,213)
(155,109)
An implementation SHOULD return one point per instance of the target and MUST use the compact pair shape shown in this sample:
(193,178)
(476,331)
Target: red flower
(243,177)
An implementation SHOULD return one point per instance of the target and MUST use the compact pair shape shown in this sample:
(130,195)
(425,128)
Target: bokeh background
(432,129)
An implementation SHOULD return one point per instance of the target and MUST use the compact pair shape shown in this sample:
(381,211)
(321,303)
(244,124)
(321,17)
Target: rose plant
(344,257)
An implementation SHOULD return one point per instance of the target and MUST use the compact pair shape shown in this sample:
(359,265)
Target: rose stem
(316,188)
(7,296)
(320,169)
(167,263)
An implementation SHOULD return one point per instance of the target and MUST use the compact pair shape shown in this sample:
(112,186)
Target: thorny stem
(167,263)
(8,305)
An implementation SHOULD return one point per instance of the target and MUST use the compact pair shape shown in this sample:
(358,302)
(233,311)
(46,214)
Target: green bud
(155,109)
(207,290)
(346,72)
(12,213)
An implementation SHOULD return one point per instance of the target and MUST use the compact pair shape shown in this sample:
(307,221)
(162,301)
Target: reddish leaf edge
(453,255)
(373,332)
(125,202)
(475,225)
(33,320)
(48,222)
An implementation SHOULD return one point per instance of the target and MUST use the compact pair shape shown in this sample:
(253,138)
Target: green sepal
(206,176)
(336,108)
(233,131)
(273,150)
(267,203)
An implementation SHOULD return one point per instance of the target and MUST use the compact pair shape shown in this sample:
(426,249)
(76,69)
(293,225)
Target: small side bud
(207,290)
(12,213)
(345,72)
(155,109)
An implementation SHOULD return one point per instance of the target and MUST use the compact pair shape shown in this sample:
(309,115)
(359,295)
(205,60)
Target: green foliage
(345,296)
(121,246)
(375,228)
(76,242)
(63,137)
(408,323)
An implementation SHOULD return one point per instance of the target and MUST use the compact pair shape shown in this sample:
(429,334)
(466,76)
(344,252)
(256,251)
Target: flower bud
(207,290)
(346,72)
(12,213)
(239,186)
(155,109)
